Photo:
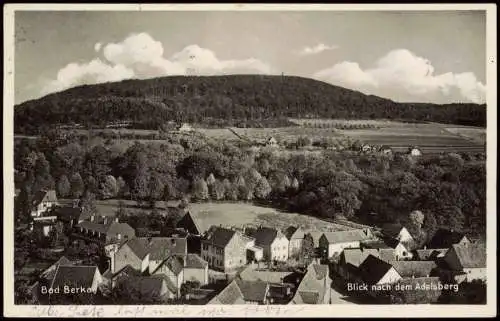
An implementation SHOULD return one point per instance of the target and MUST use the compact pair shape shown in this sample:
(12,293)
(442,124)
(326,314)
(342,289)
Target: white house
(398,232)
(414,151)
(332,243)
(467,258)
(42,202)
(274,243)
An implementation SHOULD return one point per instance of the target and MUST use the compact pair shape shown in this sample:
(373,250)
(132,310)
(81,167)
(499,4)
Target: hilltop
(233,100)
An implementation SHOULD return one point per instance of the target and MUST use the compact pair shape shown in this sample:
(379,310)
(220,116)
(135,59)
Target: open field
(477,135)
(228,214)
(313,122)
(287,133)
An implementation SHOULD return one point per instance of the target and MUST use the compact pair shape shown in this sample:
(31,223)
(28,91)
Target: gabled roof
(387,255)
(308,297)
(74,276)
(392,230)
(150,286)
(293,232)
(254,291)
(444,238)
(67,213)
(356,256)
(316,235)
(127,270)
(345,236)
(312,282)
(264,236)
(415,269)
(111,229)
(50,272)
(230,295)
(373,269)
(44,196)
(251,274)
(218,236)
(173,263)
(194,261)
(375,244)
(471,255)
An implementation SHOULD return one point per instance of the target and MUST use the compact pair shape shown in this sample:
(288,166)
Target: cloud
(403,76)
(319,48)
(141,56)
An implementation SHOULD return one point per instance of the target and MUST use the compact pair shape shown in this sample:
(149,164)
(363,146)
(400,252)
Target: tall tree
(77,186)
(63,187)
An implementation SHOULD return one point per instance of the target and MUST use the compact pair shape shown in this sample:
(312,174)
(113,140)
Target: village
(200,263)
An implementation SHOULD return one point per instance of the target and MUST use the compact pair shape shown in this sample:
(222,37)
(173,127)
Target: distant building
(387,150)
(444,238)
(272,142)
(295,236)
(191,224)
(332,243)
(351,259)
(185,128)
(401,252)
(365,148)
(414,151)
(43,201)
(105,233)
(397,232)
(469,259)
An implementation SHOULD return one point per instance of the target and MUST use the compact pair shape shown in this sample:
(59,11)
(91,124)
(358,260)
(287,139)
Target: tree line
(218,101)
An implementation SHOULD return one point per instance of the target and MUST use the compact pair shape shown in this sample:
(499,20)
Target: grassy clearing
(477,135)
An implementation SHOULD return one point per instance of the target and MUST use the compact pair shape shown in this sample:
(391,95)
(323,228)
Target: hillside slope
(225,101)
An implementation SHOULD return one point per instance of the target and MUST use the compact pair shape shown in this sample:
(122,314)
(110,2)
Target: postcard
(271,160)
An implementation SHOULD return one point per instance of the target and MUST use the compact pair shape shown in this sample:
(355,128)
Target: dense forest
(246,100)
(448,190)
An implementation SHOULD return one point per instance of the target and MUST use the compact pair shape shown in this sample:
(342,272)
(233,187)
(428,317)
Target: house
(366,148)
(148,289)
(73,283)
(374,271)
(243,292)
(415,269)
(173,270)
(414,151)
(332,243)
(273,242)
(160,248)
(444,238)
(225,249)
(195,269)
(429,254)
(315,286)
(104,232)
(185,128)
(112,279)
(191,224)
(467,258)
(69,215)
(295,236)
(397,232)
(42,201)
(133,253)
(272,142)
(401,251)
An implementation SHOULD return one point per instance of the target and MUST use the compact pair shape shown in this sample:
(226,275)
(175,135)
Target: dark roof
(471,255)
(373,269)
(50,272)
(174,263)
(128,270)
(444,238)
(219,236)
(375,244)
(264,236)
(194,261)
(44,196)
(146,285)
(67,213)
(392,230)
(254,291)
(415,269)
(74,276)
(387,255)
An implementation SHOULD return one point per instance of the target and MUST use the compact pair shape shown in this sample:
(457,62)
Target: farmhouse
(469,259)
(225,249)
(185,128)
(365,148)
(42,201)
(444,238)
(70,279)
(133,253)
(295,236)
(243,292)
(160,248)
(351,259)
(332,243)
(414,151)
(173,270)
(273,242)
(401,251)
(272,142)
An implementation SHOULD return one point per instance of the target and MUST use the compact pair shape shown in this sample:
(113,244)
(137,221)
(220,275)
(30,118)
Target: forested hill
(225,100)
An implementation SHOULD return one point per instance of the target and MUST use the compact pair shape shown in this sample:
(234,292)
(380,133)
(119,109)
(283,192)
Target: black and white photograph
(272,158)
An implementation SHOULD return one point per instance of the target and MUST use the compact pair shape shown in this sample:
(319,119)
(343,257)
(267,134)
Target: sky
(412,56)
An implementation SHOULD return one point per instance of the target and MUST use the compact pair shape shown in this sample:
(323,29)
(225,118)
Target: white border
(291,311)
